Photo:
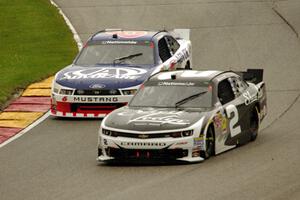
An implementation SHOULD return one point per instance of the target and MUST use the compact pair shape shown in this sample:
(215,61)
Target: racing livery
(185,115)
(111,67)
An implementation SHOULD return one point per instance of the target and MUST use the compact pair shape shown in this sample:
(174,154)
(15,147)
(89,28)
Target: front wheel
(209,144)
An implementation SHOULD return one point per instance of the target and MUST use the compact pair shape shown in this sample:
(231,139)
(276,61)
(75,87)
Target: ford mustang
(110,68)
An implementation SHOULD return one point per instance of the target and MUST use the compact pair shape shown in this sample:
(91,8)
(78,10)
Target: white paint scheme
(79,115)
(166,76)
(186,142)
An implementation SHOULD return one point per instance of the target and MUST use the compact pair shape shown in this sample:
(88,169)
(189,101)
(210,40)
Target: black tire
(254,124)
(210,144)
(187,65)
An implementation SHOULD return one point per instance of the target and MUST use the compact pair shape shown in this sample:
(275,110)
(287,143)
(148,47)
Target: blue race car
(110,68)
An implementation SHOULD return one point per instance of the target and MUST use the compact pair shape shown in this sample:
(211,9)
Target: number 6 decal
(233,120)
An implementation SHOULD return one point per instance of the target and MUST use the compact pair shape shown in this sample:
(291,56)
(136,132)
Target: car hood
(150,119)
(102,77)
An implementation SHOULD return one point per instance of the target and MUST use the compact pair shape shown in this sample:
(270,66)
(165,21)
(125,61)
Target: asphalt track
(56,159)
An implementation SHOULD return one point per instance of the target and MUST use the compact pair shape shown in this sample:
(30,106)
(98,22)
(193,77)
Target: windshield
(97,54)
(173,96)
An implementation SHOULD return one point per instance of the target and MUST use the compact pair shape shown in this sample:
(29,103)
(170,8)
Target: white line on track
(19,134)
(47,114)
(68,22)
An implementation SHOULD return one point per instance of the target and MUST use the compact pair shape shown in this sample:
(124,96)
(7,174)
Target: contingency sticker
(198,142)
(220,122)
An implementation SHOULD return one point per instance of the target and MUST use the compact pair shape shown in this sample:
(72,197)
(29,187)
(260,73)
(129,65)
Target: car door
(231,103)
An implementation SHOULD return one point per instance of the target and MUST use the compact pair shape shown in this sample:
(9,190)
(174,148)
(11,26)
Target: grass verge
(35,43)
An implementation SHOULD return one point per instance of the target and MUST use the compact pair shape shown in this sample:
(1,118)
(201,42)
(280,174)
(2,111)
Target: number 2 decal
(233,120)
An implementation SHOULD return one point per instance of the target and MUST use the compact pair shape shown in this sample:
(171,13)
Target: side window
(173,44)
(238,85)
(163,49)
(225,92)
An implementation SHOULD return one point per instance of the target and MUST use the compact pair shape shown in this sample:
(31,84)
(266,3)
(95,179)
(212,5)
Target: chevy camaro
(185,115)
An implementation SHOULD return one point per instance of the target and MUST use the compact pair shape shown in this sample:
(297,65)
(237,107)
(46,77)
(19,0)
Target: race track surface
(56,159)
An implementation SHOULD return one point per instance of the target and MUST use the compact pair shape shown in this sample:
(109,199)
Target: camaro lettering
(162,118)
(95,99)
(144,144)
(106,73)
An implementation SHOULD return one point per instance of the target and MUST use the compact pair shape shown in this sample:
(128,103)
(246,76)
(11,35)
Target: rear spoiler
(252,75)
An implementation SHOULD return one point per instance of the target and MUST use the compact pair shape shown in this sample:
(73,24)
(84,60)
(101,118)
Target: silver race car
(185,116)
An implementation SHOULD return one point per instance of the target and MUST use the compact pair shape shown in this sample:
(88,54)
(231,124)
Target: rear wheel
(187,65)
(254,124)
(209,144)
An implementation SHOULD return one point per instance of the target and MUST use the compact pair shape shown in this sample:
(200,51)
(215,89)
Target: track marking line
(22,132)
(35,89)
(70,25)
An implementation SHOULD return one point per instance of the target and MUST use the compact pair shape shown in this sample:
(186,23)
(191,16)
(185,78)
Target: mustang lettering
(95,99)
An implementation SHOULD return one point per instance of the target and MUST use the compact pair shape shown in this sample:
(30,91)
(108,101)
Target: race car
(112,65)
(185,116)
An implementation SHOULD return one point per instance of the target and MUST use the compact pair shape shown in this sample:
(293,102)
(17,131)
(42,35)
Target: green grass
(35,43)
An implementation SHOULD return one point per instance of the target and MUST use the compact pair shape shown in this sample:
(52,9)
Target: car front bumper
(86,106)
(159,149)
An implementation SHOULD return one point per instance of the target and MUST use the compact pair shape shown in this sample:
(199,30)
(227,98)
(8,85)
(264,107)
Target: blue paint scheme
(109,83)
(112,83)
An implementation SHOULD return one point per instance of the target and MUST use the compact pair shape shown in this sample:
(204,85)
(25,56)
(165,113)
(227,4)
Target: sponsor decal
(199,142)
(248,98)
(220,122)
(175,84)
(183,55)
(95,99)
(161,117)
(143,144)
(119,42)
(105,73)
(97,86)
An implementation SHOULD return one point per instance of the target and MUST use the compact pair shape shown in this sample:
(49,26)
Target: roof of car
(186,75)
(118,34)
